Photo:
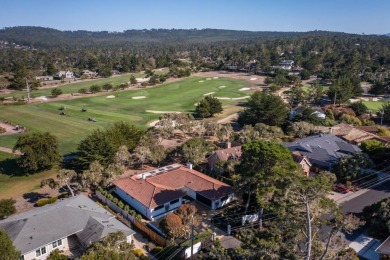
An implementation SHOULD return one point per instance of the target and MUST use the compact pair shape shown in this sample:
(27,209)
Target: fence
(141,226)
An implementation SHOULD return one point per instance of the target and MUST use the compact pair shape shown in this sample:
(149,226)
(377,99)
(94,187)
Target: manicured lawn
(74,87)
(14,184)
(374,106)
(71,128)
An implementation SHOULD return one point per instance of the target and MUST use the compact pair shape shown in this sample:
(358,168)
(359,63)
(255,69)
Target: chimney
(228,144)
(189,166)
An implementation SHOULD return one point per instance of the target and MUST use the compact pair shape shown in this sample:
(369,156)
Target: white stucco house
(156,193)
(68,225)
(67,74)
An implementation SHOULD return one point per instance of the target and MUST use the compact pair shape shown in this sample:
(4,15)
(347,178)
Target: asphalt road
(372,196)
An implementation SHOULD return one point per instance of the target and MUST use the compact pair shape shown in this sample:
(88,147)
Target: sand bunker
(223,98)
(162,112)
(209,79)
(253,78)
(238,98)
(43,98)
(196,104)
(215,77)
(222,87)
(200,81)
(207,94)
(138,97)
(243,89)
(112,96)
(154,123)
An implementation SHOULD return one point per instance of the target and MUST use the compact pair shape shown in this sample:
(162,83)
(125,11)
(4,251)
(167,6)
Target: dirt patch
(162,112)
(9,129)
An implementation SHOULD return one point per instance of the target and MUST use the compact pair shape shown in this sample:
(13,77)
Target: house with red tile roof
(156,193)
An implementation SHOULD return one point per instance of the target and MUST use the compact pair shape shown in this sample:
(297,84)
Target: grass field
(74,126)
(374,106)
(74,87)
(13,184)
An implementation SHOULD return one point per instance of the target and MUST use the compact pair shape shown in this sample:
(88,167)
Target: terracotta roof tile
(164,187)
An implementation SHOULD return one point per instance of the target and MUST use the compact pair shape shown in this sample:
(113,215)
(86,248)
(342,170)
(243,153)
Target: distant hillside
(46,37)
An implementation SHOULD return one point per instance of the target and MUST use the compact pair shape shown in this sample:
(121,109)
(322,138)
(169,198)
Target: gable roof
(322,149)
(41,226)
(164,187)
(228,153)
(384,248)
(298,158)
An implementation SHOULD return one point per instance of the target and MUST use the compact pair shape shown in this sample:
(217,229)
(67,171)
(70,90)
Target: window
(174,201)
(159,207)
(21,257)
(57,243)
(40,251)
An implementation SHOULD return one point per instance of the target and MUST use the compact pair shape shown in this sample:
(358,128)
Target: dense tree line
(330,55)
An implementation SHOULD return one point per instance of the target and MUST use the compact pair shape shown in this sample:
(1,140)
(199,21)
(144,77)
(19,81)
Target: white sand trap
(208,78)
(43,98)
(207,94)
(222,87)
(200,81)
(112,96)
(243,89)
(162,112)
(138,97)
(196,104)
(225,98)
(215,77)
(253,78)
(239,98)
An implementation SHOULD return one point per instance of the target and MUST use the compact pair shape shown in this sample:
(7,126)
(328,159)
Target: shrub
(94,89)
(138,217)
(56,92)
(82,91)
(127,208)
(138,252)
(7,207)
(120,204)
(115,200)
(132,212)
(110,197)
(2,130)
(45,201)
(157,250)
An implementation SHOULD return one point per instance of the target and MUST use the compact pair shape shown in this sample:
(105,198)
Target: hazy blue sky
(355,16)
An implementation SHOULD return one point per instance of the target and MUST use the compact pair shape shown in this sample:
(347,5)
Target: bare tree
(65,176)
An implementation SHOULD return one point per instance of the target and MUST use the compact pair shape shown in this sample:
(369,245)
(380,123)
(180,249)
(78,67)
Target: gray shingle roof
(41,226)
(322,150)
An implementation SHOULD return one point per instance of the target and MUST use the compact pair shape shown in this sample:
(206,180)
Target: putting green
(72,127)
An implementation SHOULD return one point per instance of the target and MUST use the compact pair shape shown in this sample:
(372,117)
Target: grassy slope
(374,106)
(74,126)
(12,185)
(74,87)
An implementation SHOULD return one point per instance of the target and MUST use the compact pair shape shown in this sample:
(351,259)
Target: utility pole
(192,237)
(334,100)
(28,91)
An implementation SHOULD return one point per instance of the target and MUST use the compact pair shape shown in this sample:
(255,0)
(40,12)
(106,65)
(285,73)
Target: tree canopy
(264,108)
(39,152)
(7,249)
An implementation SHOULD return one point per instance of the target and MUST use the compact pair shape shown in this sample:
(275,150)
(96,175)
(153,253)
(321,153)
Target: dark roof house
(322,150)
(37,232)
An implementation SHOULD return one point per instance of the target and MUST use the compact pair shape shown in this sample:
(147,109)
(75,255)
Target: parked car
(341,188)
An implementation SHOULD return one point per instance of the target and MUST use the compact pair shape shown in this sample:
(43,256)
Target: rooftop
(77,215)
(165,184)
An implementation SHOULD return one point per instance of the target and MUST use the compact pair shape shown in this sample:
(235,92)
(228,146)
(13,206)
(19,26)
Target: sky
(351,16)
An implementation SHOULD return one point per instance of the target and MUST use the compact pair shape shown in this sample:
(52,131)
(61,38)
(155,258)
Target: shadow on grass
(33,197)
(10,167)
